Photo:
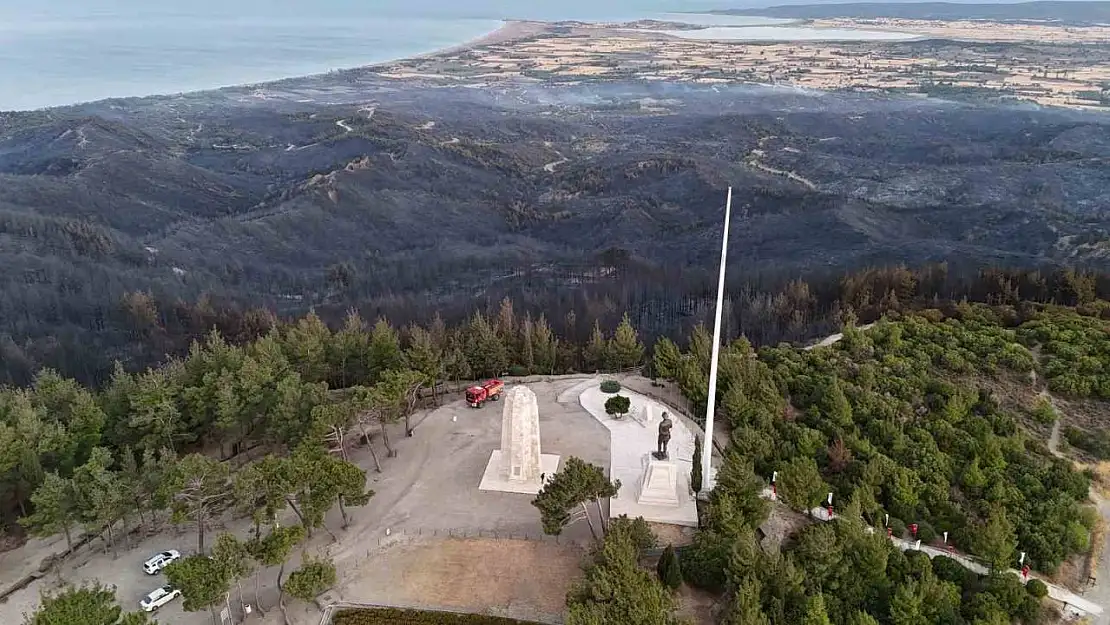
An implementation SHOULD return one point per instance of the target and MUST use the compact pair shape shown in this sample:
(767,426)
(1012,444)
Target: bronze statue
(664,437)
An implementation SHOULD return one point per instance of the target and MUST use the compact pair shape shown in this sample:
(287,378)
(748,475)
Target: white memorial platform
(660,483)
(518,465)
(646,482)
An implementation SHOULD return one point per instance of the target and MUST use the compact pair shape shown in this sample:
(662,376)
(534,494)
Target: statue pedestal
(660,484)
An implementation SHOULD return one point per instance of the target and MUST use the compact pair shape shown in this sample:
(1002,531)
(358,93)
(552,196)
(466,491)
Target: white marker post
(830,499)
(946,538)
(715,356)
(918,545)
(886,520)
(1021,560)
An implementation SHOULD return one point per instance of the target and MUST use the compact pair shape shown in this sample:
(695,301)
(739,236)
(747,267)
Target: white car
(159,597)
(158,562)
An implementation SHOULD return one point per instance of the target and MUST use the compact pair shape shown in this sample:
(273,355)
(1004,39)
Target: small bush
(1043,412)
(949,570)
(313,578)
(617,406)
(610,386)
(518,371)
(1036,588)
(703,563)
(391,616)
(898,527)
(669,570)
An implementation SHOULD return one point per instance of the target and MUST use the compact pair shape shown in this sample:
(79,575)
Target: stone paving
(631,443)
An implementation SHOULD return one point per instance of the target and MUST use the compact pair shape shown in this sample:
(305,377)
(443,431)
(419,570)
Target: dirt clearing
(519,578)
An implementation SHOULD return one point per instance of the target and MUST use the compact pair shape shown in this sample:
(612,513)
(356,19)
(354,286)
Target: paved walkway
(631,442)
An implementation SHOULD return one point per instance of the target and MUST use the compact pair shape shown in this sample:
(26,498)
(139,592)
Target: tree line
(73,454)
(81,334)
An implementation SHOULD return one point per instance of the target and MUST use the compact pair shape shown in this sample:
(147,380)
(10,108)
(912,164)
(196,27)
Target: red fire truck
(487,391)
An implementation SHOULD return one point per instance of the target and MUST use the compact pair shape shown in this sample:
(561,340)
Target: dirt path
(1054,439)
(755,159)
(1099,592)
(550,167)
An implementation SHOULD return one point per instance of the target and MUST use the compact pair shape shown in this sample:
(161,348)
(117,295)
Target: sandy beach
(509,31)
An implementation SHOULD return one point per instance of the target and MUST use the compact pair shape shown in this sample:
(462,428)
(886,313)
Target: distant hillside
(1076,13)
(433,198)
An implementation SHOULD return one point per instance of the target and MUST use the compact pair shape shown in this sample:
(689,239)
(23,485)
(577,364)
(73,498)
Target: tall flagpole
(707,446)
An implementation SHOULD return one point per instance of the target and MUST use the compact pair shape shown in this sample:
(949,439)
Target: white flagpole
(707,453)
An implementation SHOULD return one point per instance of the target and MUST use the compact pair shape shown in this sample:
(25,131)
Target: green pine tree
(815,613)
(596,355)
(668,569)
(625,349)
(695,470)
(665,358)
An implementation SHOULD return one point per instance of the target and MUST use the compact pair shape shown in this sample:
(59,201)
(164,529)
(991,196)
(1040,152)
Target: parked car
(159,597)
(158,562)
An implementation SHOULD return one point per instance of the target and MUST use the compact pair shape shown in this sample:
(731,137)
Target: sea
(58,52)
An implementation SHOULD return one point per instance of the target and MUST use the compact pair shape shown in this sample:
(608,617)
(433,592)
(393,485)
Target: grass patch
(394,616)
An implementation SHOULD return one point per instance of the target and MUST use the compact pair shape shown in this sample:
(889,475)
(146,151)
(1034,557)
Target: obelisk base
(496,478)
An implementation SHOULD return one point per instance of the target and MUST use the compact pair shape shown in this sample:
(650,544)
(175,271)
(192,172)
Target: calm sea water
(55,52)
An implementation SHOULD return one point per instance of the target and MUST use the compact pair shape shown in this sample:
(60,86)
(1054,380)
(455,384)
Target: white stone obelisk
(518,466)
(707,444)
(520,436)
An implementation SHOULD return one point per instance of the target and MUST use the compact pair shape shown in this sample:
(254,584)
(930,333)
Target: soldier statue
(664,438)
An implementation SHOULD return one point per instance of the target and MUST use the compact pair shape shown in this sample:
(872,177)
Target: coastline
(507,31)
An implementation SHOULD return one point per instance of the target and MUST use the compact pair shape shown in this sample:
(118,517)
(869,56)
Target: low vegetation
(617,406)
(616,589)
(391,616)
(610,386)
(84,605)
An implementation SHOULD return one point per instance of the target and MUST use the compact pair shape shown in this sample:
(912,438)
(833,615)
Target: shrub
(1012,598)
(617,406)
(638,530)
(949,570)
(314,577)
(668,568)
(703,563)
(393,616)
(1037,589)
(518,371)
(610,386)
(898,527)
(1043,412)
